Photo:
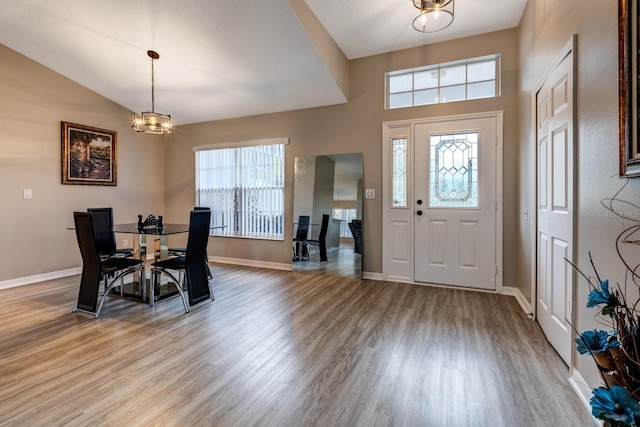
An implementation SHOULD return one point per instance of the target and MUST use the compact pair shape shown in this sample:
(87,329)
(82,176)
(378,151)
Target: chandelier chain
(153,83)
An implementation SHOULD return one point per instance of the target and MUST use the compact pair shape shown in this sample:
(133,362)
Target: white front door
(554,137)
(455,202)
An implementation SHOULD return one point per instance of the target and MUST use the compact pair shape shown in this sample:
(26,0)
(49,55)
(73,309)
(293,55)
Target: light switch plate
(370,193)
(27,193)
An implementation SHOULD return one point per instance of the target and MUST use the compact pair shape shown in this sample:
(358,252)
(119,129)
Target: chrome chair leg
(157,272)
(118,277)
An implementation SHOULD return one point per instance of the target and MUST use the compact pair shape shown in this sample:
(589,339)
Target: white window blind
(345,216)
(244,187)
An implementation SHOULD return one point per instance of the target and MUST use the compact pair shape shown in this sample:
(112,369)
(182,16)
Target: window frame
(439,68)
(242,232)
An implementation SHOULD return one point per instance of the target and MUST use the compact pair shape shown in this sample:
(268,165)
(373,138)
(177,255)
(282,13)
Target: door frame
(409,125)
(567,49)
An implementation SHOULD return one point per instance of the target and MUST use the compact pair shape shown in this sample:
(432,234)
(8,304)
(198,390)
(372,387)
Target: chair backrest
(196,255)
(103,230)
(357,237)
(324,227)
(303,227)
(90,282)
(354,231)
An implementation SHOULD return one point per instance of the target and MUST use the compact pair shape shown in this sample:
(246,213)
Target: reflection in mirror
(328,185)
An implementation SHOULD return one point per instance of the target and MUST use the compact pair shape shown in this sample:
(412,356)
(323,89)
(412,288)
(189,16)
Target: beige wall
(349,128)
(33,102)
(545,27)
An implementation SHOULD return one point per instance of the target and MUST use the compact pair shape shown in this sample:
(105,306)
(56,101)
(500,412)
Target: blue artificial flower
(601,296)
(596,341)
(615,404)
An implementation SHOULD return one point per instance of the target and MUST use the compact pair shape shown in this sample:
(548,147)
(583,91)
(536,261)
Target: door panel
(455,209)
(438,243)
(469,244)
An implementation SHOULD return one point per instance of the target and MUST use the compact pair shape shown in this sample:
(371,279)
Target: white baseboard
(515,292)
(39,278)
(584,392)
(250,263)
(368,275)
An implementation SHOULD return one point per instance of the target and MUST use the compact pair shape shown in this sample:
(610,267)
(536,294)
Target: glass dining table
(151,239)
(152,243)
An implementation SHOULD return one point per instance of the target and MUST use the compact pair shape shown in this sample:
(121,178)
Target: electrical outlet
(125,243)
(370,193)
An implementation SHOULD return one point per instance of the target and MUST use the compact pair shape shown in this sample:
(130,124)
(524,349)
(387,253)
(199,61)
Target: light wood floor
(280,349)
(340,263)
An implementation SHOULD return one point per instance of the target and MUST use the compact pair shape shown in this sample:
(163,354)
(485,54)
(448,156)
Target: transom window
(244,187)
(473,78)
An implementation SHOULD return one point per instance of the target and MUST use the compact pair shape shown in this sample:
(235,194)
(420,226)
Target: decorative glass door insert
(454,170)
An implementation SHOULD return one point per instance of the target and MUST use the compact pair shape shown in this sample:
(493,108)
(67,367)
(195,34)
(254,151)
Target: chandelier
(435,15)
(152,122)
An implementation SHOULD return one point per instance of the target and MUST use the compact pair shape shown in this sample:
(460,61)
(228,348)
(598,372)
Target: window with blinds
(244,187)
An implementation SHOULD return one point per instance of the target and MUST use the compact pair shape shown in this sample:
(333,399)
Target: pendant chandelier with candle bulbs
(152,122)
(435,15)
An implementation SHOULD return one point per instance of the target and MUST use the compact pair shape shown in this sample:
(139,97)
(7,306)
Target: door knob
(419,213)
(419,201)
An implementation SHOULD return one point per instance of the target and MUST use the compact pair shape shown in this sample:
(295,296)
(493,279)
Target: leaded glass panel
(399,172)
(454,170)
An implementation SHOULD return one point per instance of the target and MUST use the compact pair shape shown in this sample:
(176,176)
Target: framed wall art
(89,155)
(628,87)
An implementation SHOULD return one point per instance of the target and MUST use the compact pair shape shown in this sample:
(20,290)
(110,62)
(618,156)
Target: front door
(455,202)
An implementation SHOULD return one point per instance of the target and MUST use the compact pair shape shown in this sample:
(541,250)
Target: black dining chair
(181,250)
(192,272)
(319,245)
(96,269)
(104,235)
(356,232)
(302,231)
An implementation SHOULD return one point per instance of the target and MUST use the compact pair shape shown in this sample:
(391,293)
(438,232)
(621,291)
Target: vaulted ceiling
(221,58)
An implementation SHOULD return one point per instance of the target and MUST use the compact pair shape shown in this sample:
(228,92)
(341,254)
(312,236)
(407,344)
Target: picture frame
(89,155)
(628,43)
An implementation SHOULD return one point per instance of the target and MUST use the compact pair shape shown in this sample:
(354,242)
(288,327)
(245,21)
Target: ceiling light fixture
(435,15)
(152,122)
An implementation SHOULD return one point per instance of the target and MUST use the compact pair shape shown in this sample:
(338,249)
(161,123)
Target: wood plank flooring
(342,262)
(280,349)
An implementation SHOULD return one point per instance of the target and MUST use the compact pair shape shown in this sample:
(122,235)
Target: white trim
(515,292)
(253,143)
(368,275)
(584,392)
(499,117)
(400,279)
(39,278)
(499,200)
(251,263)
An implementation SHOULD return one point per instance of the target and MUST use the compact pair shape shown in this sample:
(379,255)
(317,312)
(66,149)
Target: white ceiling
(220,58)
